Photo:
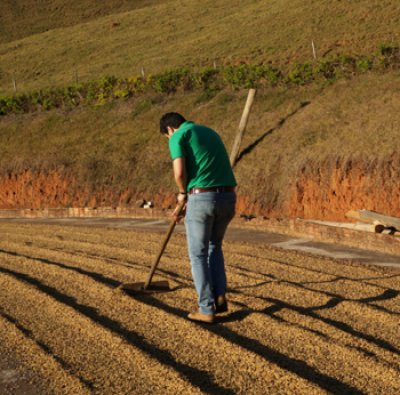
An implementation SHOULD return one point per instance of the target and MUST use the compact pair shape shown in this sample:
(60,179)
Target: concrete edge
(293,227)
(365,240)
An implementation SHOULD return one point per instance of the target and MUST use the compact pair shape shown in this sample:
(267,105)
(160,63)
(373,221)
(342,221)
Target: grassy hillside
(168,34)
(22,18)
(119,145)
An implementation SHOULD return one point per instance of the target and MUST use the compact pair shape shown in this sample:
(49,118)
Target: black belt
(212,189)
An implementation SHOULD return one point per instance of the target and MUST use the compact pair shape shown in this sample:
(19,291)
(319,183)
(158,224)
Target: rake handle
(164,245)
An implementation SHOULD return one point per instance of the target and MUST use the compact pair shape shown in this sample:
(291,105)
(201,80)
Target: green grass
(171,34)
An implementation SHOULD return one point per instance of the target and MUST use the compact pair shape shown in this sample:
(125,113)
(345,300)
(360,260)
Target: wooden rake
(156,286)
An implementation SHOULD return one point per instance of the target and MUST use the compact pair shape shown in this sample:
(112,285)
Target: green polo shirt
(206,159)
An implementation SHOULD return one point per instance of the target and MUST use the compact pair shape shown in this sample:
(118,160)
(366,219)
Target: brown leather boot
(221,305)
(200,317)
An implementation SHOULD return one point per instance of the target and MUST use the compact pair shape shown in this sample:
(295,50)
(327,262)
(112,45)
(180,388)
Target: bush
(389,56)
(3,106)
(107,83)
(250,76)
(300,74)
(364,64)
(272,75)
(121,93)
(242,76)
(137,84)
(326,69)
(170,81)
(207,79)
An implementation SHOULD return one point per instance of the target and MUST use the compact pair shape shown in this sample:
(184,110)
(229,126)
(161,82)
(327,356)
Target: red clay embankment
(319,191)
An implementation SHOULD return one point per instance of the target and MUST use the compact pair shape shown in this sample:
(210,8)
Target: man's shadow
(281,122)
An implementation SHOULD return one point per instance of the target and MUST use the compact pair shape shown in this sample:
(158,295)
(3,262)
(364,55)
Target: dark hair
(171,119)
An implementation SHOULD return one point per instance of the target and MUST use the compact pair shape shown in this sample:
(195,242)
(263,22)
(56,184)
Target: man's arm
(180,173)
(180,180)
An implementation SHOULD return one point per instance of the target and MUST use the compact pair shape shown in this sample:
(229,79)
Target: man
(206,182)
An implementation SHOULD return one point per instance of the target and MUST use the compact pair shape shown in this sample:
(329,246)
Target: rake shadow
(117,261)
(96,276)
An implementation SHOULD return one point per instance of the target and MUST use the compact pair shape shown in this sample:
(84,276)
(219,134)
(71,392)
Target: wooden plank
(374,218)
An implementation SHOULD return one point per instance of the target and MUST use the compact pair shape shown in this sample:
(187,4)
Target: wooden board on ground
(374,218)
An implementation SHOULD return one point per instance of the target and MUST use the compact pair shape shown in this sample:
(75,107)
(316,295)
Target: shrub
(101,99)
(137,84)
(389,55)
(72,95)
(207,78)
(91,91)
(389,50)
(48,104)
(107,83)
(3,106)
(326,69)
(242,76)
(15,104)
(121,93)
(300,74)
(272,75)
(170,81)
(364,64)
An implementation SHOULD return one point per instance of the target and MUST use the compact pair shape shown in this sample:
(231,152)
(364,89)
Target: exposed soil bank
(320,191)
(328,191)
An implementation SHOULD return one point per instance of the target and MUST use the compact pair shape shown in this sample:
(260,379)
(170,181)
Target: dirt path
(297,323)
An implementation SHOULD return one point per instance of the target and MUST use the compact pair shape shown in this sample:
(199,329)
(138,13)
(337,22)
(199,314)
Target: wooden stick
(242,127)
(163,246)
(374,218)
(313,50)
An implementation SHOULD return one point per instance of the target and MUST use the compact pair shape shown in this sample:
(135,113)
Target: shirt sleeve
(177,146)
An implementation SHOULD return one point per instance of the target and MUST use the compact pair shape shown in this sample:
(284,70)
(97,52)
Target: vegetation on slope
(118,144)
(209,80)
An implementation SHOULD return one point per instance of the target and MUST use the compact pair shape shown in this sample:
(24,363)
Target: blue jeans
(207,217)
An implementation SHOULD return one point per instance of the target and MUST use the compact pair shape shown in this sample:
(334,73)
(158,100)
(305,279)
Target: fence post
(242,127)
(313,50)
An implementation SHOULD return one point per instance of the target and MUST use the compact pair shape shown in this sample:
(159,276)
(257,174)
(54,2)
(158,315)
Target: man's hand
(180,209)
(181,197)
